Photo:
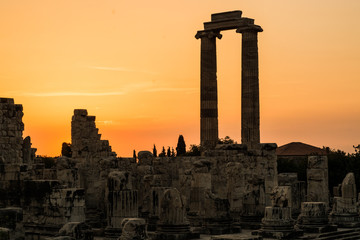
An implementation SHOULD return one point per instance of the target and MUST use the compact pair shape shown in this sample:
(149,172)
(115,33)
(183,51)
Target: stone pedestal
(278,223)
(173,224)
(345,212)
(314,218)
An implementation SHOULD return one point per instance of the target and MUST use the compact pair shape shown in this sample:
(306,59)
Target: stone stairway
(342,234)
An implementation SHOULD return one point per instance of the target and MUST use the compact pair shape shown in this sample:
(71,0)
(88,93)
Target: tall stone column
(208,85)
(250,110)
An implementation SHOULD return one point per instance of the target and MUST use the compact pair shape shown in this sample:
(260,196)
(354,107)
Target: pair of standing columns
(250,117)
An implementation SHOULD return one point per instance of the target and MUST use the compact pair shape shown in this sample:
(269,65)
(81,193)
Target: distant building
(292,157)
(298,149)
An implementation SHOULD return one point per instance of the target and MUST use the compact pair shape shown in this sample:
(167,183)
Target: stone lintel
(209,34)
(249,28)
(226,15)
(228,24)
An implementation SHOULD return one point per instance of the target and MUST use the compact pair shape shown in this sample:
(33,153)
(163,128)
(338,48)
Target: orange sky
(135,65)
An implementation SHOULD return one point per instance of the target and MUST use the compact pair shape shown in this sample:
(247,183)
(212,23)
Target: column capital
(249,28)
(208,34)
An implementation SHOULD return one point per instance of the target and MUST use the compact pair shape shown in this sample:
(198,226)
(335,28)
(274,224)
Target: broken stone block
(317,179)
(77,230)
(172,223)
(345,210)
(133,228)
(314,218)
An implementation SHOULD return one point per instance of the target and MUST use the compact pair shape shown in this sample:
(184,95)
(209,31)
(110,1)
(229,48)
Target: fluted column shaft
(250,110)
(208,85)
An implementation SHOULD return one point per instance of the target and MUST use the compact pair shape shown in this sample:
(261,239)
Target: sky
(135,65)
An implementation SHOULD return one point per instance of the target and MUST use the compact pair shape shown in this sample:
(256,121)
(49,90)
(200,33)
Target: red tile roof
(299,149)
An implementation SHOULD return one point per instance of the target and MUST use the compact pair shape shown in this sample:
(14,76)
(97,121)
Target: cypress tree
(168,152)
(181,146)
(154,151)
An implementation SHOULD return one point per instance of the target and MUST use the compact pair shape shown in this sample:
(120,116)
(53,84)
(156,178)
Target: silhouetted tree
(172,152)
(195,150)
(66,150)
(356,148)
(226,140)
(134,154)
(168,153)
(181,146)
(154,151)
(163,153)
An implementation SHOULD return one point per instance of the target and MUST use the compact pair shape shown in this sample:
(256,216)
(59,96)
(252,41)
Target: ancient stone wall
(85,138)
(11,127)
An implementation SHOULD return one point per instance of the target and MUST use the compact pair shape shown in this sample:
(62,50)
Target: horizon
(136,67)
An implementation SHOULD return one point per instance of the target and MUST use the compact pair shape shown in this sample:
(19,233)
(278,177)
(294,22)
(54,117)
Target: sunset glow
(135,65)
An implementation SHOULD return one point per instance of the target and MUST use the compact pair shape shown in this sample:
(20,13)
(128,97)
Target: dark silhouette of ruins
(232,190)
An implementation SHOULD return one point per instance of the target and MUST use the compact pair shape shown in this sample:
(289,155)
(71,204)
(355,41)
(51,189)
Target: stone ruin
(228,189)
(345,212)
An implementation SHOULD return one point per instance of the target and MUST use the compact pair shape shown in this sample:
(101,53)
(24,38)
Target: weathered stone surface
(133,228)
(77,230)
(173,223)
(345,209)
(348,187)
(317,179)
(85,138)
(11,128)
(122,201)
(145,157)
(314,218)
(298,189)
(281,196)
(277,221)
(67,171)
